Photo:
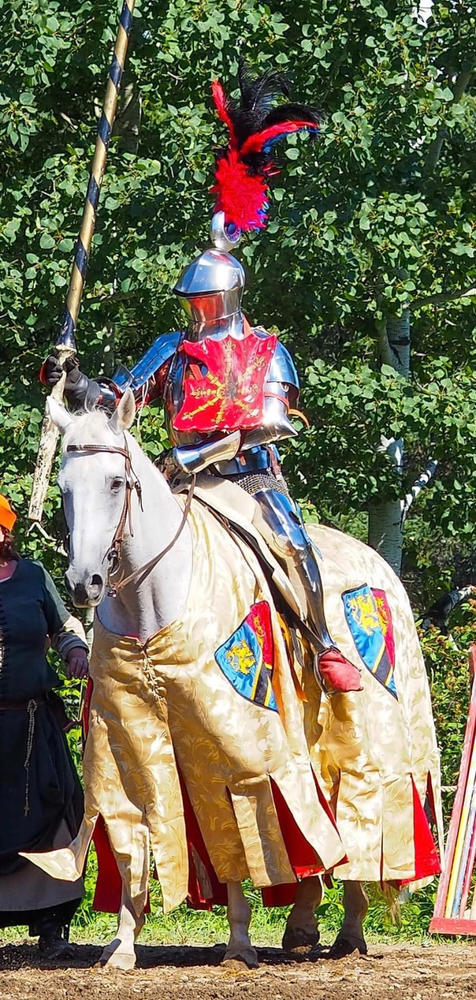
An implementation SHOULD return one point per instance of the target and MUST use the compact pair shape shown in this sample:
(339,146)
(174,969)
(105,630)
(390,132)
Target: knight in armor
(228,388)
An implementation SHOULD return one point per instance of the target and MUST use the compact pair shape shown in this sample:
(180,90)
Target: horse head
(96,491)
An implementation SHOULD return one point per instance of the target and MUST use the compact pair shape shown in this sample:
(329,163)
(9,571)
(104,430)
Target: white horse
(97,485)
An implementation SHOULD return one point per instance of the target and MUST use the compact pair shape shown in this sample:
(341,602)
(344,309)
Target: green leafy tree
(388,254)
(370,245)
(366,268)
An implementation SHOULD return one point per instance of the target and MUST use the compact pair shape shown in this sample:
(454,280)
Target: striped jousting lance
(452,903)
(66,343)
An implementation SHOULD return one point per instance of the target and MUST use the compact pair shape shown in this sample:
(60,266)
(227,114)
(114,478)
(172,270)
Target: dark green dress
(39,787)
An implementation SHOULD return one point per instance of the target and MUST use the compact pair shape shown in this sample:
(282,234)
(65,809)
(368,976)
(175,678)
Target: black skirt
(39,788)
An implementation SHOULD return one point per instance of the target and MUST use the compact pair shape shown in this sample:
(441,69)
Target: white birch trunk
(385,531)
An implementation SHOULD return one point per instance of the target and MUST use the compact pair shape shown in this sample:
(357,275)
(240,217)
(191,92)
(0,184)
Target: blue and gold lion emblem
(370,622)
(247,657)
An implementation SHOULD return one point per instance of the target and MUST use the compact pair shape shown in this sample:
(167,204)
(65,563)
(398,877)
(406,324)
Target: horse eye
(116,484)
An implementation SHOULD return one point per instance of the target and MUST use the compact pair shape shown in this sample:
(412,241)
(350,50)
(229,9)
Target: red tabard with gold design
(224,383)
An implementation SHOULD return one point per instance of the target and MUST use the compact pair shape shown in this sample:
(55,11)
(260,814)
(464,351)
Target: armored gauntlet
(81,392)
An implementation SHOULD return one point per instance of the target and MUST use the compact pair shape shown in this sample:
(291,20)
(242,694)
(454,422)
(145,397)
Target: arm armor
(138,378)
(83,393)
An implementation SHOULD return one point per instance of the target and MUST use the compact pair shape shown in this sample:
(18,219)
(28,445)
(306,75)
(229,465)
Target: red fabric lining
(279,895)
(304,860)
(328,811)
(302,856)
(426,855)
(107,894)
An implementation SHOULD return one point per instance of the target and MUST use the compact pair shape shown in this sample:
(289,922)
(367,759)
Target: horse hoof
(344,946)
(241,963)
(297,941)
(120,960)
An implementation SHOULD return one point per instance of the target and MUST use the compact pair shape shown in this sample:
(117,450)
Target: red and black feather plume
(255,126)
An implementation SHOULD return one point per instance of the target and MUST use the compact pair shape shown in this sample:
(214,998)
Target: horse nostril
(96,580)
(80,596)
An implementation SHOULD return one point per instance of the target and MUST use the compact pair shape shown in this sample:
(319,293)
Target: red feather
(255,142)
(240,195)
(244,168)
(221,103)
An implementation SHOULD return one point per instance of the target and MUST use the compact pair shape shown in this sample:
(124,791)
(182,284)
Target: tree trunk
(385,531)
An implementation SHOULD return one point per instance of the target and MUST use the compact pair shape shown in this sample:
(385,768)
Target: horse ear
(123,416)
(58,413)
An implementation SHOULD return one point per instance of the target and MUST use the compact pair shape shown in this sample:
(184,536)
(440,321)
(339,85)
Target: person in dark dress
(41,800)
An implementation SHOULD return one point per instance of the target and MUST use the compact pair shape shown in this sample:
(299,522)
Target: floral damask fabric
(171,706)
(369,747)
(168,706)
(376,754)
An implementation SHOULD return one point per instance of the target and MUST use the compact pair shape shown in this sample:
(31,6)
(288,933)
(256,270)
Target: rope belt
(31,709)
(29,705)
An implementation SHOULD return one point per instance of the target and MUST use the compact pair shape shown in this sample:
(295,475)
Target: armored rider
(228,388)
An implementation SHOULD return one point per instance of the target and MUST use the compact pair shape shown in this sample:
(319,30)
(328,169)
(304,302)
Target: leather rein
(132,483)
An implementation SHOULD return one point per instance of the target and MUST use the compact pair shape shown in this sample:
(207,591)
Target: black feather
(254,111)
(257,96)
(293,112)
(261,90)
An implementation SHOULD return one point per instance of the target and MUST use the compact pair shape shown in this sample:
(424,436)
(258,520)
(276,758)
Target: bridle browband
(132,483)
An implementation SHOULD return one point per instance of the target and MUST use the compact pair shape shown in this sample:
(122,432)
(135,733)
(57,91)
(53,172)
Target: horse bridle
(113,553)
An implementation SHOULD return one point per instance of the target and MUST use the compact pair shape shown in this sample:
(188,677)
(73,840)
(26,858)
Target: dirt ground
(436,972)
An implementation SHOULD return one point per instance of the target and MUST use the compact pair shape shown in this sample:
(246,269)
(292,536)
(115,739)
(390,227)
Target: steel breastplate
(219,384)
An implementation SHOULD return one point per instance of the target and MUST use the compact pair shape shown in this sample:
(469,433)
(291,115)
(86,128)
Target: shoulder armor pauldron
(282,368)
(163,348)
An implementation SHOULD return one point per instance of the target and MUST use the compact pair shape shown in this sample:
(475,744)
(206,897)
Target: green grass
(197,927)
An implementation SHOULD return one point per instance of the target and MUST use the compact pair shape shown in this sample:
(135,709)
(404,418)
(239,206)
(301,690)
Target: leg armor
(292,541)
(333,671)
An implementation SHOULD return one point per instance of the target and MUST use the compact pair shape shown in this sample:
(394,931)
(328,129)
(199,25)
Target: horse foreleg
(239,948)
(301,933)
(351,934)
(120,953)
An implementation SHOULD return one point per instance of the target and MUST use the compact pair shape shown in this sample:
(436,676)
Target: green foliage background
(375,217)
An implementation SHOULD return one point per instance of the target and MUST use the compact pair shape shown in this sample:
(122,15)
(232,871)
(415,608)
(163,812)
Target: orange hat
(7,515)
